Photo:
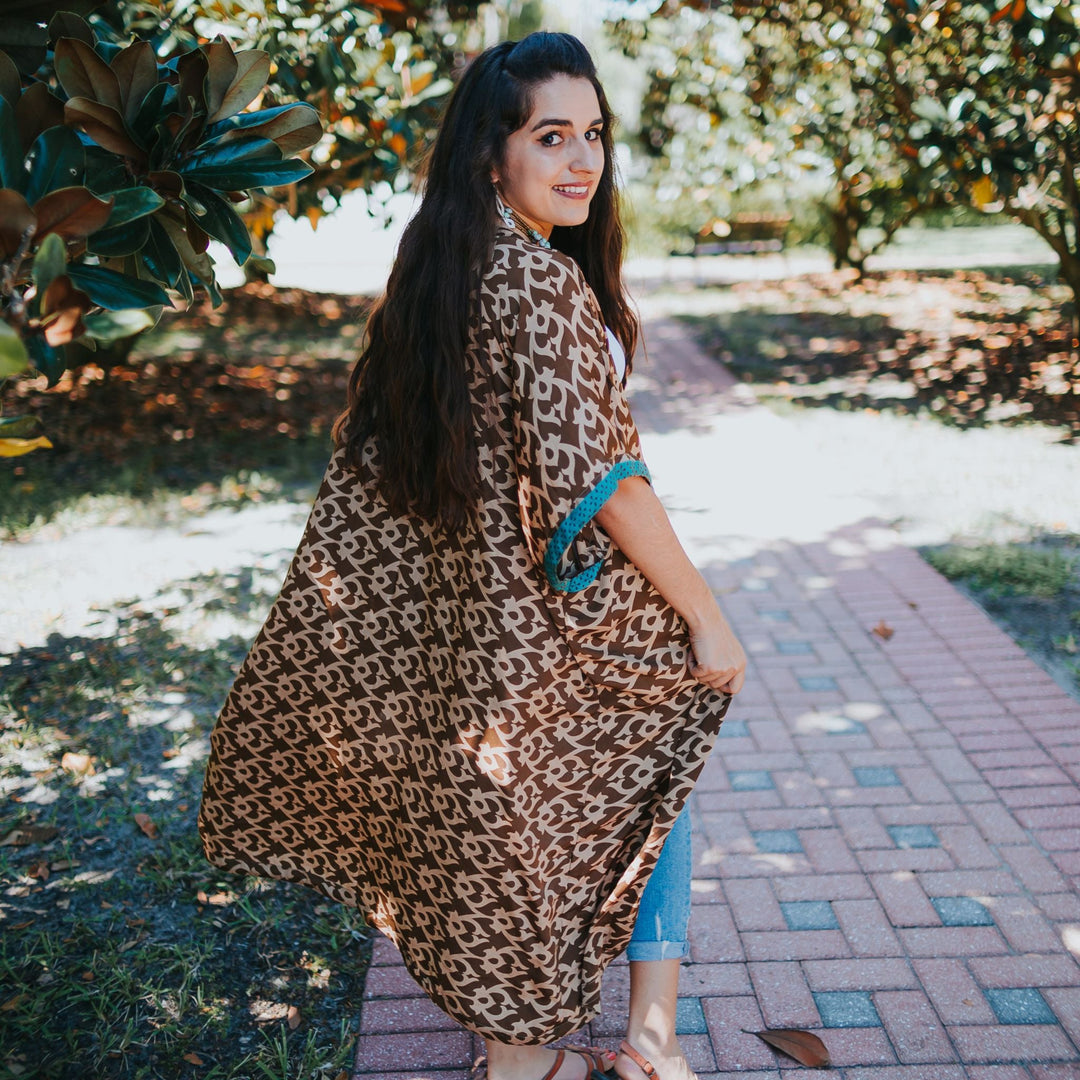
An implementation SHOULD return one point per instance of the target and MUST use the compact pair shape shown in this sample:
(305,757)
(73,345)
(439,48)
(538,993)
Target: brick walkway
(887,842)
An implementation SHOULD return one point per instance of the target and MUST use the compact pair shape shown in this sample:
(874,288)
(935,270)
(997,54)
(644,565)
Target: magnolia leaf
(294,128)
(112,325)
(20,427)
(17,222)
(13,354)
(49,262)
(37,111)
(18,447)
(114,291)
(217,217)
(221,71)
(73,213)
(133,203)
(10,80)
(45,358)
(83,74)
(161,255)
(192,68)
(12,173)
(263,263)
(57,160)
(252,71)
(66,24)
(804,1046)
(123,240)
(136,73)
(104,125)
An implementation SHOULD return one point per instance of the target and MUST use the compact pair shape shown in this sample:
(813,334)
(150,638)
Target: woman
(480,702)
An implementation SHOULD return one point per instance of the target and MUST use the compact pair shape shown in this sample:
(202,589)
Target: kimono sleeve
(574,435)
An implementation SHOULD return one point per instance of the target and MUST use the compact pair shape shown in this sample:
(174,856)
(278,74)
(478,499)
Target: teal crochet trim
(577,519)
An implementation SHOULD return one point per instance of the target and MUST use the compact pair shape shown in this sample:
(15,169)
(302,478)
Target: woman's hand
(719,660)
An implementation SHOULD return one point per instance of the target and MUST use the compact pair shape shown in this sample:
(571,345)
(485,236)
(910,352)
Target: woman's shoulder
(536,274)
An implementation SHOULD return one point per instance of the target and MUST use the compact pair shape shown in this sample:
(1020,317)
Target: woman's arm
(637,522)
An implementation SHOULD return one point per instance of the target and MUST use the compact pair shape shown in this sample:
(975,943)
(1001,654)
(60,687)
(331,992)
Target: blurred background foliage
(872,112)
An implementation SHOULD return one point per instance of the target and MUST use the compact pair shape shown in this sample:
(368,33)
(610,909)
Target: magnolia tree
(377,73)
(116,170)
(741,93)
(992,97)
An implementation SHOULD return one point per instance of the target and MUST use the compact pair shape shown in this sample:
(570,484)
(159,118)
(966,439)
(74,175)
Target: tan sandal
(643,1063)
(594,1060)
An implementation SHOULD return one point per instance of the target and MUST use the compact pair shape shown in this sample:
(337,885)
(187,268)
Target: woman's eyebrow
(560,123)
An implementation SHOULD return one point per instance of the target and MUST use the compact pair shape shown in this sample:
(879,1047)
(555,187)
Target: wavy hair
(409,388)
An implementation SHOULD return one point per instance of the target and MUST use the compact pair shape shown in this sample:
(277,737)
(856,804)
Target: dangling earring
(514,220)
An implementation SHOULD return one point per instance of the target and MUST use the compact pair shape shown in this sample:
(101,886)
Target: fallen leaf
(883,630)
(39,870)
(88,976)
(292,1018)
(13,1003)
(134,924)
(29,834)
(64,864)
(193,1059)
(77,764)
(22,925)
(202,897)
(147,826)
(804,1046)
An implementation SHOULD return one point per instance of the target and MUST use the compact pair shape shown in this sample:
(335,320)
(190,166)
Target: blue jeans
(664,913)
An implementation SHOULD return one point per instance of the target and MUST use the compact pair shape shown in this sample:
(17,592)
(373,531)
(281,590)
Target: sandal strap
(643,1063)
(594,1057)
(550,1075)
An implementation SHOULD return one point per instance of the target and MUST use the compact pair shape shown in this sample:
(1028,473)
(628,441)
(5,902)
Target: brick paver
(912,801)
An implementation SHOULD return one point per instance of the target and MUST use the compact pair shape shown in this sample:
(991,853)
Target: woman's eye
(550,135)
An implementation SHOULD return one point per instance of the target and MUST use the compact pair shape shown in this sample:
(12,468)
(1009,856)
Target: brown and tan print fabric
(427,729)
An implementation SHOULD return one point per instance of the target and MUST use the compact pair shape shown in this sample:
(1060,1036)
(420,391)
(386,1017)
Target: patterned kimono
(481,741)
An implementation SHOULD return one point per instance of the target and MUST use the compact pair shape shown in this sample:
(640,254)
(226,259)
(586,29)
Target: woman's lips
(576,191)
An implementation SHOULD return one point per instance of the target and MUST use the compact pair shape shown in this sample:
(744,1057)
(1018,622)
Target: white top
(617,353)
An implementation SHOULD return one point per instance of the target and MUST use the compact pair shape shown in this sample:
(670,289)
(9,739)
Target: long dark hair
(409,387)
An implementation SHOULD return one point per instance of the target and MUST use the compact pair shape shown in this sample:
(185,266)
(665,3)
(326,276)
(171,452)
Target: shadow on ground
(125,953)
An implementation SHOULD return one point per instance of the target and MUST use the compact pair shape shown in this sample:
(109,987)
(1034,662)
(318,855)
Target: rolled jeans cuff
(657,950)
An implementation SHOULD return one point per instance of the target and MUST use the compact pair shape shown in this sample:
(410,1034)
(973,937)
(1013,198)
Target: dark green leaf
(12,173)
(114,291)
(13,357)
(123,240)
(57,160)
(46,359)
(253,175)
(249,148)
(49,262)
(159,102)
(161,256)
(113,325)
(10,82)
(221,71)
(105,173)
(19,427)
(221,221)
(132,203)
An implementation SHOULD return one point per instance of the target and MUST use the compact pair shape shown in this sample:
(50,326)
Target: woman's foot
(668,1061)
(535,1062)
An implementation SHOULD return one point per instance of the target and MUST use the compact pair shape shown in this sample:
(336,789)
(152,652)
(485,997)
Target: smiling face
(553,162)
